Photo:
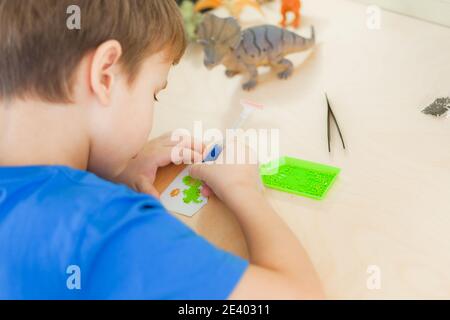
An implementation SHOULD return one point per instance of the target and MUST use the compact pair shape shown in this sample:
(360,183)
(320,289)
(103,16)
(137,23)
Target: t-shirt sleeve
(148,254)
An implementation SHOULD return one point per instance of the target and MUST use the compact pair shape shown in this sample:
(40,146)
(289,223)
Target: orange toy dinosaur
(234,6)
(293,6)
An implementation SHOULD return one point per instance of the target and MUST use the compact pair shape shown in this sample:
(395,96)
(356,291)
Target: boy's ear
(104,68)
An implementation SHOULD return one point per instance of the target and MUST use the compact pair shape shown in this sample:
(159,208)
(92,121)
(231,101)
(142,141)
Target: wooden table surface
(390,207)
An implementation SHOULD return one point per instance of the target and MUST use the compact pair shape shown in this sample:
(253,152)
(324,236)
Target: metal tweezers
(331,115)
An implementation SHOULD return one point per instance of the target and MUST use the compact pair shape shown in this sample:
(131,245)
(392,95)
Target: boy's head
(111,68)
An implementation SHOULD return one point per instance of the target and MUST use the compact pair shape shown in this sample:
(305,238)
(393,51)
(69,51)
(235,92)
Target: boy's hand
(229,181)
(140,173)
(279,266)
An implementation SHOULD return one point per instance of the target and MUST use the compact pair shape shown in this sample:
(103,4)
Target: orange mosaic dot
(175,192)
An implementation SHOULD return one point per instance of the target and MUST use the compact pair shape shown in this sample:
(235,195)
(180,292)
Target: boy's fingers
(196,171)
(195,145)
(206,191)
(187,156)
(190,142)
(196,157)
(164,157)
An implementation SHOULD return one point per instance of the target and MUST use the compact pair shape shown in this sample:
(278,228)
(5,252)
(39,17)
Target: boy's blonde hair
(39,54)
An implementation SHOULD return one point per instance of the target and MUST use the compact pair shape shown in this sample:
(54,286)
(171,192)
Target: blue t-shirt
(67,234)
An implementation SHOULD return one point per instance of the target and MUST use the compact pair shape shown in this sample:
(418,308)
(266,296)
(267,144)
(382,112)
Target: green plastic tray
(300,177)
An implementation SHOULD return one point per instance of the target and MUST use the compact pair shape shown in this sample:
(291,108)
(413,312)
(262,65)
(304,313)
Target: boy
(75,111)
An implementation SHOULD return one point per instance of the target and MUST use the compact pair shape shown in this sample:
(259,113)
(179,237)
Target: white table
(390,206)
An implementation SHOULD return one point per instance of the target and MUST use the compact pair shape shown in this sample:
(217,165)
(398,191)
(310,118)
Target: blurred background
(437,11)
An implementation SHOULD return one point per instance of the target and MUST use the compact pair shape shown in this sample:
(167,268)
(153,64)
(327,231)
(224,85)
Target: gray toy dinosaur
(242,52)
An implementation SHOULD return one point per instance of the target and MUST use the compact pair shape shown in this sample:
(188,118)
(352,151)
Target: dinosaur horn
(229,32)
(202,28)
(206,28)
(226,31)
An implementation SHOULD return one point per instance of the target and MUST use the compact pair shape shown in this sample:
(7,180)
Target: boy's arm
(280,267)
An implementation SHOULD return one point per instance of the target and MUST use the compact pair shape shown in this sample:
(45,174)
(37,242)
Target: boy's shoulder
(70,197)
(62,186)
(55,216)
(125,244)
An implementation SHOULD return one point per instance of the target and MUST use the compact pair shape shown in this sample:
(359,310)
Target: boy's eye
(155,97)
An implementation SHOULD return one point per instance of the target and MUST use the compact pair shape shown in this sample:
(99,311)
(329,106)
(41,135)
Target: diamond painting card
(184,195)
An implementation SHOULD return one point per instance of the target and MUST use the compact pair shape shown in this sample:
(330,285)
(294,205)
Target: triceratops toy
(242,52)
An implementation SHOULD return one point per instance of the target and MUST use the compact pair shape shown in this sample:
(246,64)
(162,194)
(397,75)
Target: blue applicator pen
(214,154)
